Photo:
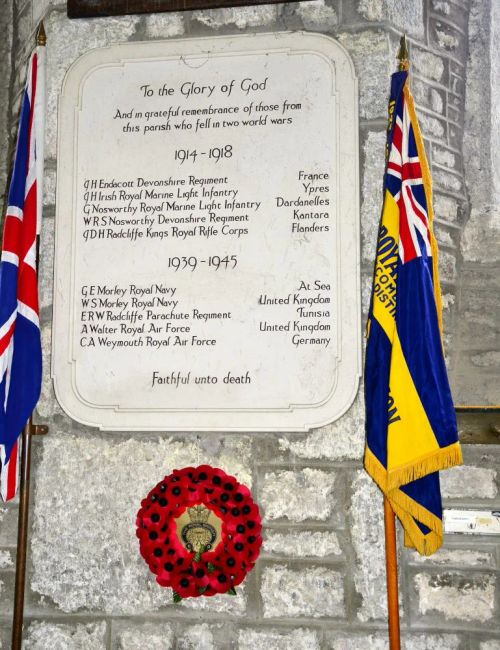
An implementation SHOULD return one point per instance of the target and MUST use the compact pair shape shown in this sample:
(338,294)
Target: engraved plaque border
(298,417)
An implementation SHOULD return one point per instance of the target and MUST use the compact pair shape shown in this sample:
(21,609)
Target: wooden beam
(95,8)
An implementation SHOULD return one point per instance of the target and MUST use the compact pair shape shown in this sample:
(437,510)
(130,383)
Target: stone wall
(477,353)
(320,582)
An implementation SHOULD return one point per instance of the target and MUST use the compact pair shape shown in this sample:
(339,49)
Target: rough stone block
(480,331)
(164,25)
(447,267)
(68,40)
(5,636)
(447,300)
(446,181)
(455,13)
(371,9)
(408,642)
(480,238)
(454,114)
(298,496)
(6,592)
(6,26)
(196,637)
(490,359)
(40,7)
(42,635)
(457,86)
(445,208)
(444,237)
(315,592)
(473,386)
(343,439)
(441,6)
(373,57)
(300,639)
(317,15)
(49,186)
(456,596)
(358,642)
(495,96)
(366,294)
(459,557)
(432,127)
(46,272)
(367,533)
(372,192)
(432,642)
(220,604)
(47,406)
(428,97)
(302,544)
(481,235)
(8,526)
(491,644)
(403,14)
(24,26)
(466,481)
(153,636)
(87,511)
(242,17)
(19,4)
(444,157)
(7,559)
(445,37)
(428,65)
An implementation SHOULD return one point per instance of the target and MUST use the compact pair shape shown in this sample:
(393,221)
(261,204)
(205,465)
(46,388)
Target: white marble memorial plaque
(207,269)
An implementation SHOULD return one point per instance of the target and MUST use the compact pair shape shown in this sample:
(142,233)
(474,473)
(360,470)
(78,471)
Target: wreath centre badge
(199,529)
(199,532)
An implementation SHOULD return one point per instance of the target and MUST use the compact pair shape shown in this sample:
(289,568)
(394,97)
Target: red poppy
(213,570)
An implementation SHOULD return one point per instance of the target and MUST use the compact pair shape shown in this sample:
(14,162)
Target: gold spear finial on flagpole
(403,54)
(41,36)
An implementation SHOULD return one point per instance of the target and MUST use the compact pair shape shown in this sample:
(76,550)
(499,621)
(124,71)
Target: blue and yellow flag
(411,430)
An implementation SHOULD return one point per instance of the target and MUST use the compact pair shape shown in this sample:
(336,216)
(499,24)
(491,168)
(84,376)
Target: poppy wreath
(194,560)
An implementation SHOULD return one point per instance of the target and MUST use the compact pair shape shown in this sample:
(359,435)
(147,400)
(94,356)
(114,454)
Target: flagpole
(391,556)
(391,564)
(29,430)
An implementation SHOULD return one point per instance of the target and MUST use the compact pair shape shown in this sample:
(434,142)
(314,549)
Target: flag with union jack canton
(411,430)
(20,347)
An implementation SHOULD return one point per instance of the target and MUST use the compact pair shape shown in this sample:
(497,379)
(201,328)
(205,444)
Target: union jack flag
(404,181)
(20,346)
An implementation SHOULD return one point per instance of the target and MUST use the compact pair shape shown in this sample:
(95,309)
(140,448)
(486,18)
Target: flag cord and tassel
(391,556)
(29,430)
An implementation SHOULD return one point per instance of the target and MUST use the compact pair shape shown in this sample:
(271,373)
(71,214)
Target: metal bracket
(39,429)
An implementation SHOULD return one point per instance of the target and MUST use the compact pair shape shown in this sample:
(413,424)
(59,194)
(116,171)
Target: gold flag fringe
(433,462)
(406,508)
